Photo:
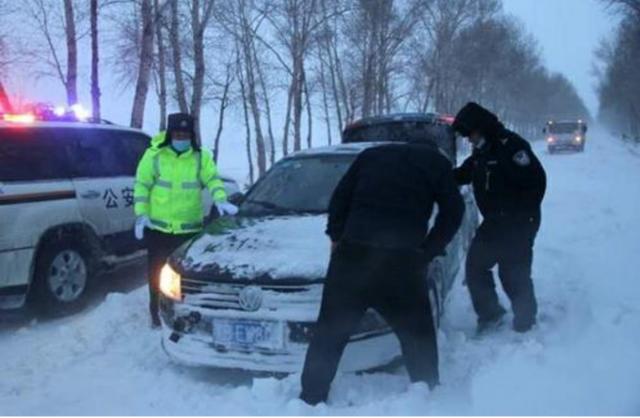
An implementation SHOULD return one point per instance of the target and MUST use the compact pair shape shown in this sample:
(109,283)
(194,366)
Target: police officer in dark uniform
(378,224)
(509,184)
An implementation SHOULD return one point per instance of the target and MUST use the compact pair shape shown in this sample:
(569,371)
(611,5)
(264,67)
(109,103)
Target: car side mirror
(236,198)
(544,130)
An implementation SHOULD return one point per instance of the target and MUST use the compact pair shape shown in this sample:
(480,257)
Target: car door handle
(90,194)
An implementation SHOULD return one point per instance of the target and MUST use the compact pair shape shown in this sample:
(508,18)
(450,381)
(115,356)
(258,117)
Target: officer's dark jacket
(386,199)
(508,179)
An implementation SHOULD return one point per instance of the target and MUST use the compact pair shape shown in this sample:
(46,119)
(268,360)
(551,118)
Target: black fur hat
(475,118)
(181,122)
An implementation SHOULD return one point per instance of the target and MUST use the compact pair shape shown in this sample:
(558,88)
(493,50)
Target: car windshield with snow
(246,292)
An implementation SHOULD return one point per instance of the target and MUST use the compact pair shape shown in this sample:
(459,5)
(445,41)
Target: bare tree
(95,59)
(174,36)
(328,46)
(224,100)
(144,66)
(245,108)
(46,16)
(72,53)
(619,85)
(295,23)
(440,25)
(161,66)
(625,6)
(201,12)
(241,20)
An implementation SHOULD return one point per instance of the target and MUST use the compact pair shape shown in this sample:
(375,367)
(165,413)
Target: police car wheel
(62,275)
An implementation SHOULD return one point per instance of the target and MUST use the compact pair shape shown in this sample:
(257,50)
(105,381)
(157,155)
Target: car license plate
(248,334)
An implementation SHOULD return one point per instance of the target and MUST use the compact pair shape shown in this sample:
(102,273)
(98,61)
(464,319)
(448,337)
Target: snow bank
(582,358)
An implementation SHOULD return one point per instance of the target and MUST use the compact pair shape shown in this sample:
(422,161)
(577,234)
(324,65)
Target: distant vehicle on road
(565,135)
(246,292)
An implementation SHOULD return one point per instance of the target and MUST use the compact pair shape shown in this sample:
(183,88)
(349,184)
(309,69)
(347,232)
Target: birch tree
(144,64)
(95,60)
(52,23)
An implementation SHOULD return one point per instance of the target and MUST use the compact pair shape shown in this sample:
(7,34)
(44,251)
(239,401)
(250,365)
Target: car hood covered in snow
(260,249)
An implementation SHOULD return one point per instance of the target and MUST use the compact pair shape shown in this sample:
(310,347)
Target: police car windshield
(564,128)
(297,185)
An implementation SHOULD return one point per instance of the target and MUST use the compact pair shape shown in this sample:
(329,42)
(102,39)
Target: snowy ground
(583,358)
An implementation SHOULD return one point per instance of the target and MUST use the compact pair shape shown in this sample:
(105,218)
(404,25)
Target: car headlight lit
(578,138)
(170,283)
(550,139)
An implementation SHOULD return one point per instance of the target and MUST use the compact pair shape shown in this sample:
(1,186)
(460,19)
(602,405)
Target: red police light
(448,119)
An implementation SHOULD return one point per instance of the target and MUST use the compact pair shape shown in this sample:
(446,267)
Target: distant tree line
(618,70)
(287,65)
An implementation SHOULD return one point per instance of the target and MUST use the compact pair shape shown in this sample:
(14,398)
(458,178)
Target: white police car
(66,207)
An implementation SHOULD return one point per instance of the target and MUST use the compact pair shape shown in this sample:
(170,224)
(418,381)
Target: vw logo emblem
(250,298)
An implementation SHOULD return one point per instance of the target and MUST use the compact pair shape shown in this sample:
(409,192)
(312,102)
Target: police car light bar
(448,119)
(47,113)
(80,112)
(19,117)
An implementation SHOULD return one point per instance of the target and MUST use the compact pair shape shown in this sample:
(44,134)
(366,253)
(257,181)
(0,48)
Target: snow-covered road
(583,357)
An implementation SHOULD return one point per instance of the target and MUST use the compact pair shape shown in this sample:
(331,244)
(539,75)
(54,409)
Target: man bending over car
(381,246)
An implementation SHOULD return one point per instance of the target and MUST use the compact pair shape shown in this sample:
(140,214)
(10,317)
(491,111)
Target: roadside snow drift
(582,358)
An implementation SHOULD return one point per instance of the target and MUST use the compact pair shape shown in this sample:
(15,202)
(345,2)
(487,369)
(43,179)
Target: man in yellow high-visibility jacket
(167,196)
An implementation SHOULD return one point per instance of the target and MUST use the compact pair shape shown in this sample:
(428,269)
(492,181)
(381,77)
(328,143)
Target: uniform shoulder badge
(521,158)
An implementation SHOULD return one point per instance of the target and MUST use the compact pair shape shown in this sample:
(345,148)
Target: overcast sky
(567,31)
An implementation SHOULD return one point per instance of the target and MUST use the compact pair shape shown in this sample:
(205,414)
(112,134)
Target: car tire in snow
(62,274)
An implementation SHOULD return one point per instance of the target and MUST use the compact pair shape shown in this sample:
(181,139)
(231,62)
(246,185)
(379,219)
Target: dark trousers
(509,244)
(393,283)
(160,245)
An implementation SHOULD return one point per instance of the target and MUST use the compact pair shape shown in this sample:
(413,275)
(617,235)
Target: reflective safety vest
(168,188)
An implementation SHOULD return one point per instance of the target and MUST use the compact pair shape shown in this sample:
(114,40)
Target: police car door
(103,182)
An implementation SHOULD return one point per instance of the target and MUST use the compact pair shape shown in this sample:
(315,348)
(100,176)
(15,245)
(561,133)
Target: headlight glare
(170,283)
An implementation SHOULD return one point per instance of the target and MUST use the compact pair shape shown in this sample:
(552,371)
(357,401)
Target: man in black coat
(378,225)
(509,184)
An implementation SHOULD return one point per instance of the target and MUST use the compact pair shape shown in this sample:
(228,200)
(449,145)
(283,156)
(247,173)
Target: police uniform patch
(521,158)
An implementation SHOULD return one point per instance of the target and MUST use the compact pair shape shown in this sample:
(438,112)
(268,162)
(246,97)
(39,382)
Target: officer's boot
(491,322)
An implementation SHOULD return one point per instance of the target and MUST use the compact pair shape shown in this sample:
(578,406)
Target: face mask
(181,145)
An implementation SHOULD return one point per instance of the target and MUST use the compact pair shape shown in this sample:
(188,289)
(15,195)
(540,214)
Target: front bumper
(195,346)
(565,145)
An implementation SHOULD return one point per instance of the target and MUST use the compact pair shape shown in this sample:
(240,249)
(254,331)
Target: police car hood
(291,248)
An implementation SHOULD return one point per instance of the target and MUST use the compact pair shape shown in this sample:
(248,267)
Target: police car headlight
(170,283)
